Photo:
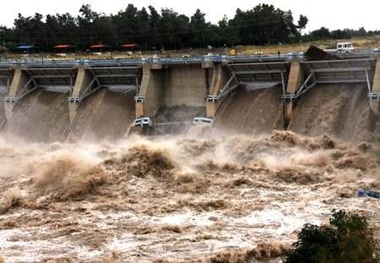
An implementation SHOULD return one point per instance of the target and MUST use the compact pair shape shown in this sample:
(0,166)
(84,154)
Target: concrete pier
(374,102)
(174,85)
(295,80)
(81,83)
(18,84)
(217,83)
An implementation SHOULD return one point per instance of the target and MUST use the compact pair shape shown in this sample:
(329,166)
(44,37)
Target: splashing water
(225,193)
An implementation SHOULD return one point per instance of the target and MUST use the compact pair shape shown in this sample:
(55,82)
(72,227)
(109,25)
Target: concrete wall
(296,77)
(219,78)
(82,81)
(173,85)
(295,80)
(374,103)
(151,91)
(184,85)
(20,79)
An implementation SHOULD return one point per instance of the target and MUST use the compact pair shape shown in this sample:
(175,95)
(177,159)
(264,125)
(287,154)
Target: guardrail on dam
(200,82)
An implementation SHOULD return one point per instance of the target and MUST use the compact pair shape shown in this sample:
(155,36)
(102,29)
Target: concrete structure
(192,82)
(295,80)
(374,93)
(82,82)
(217,83)
(171,85)
(26,80)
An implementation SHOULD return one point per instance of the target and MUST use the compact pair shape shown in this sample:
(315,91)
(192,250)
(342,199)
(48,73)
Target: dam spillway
(102,99)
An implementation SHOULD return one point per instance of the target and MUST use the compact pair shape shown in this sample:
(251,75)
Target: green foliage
(348,238)
(151,29)
(302,22)
(265,24)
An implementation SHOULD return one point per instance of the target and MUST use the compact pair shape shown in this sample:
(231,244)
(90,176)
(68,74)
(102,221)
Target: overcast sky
(333,14)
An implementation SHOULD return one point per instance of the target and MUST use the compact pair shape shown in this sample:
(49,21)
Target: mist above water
(242,189)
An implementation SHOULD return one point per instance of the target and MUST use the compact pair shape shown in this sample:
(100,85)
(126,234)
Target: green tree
(174,28)
(154,25)
(348,238)
(183,23)
(223,34)
(144,28)
(126,24)
(85,23)
(61,29)
(302,22)
(198,29)
(104,31)
(264,24)
(322,33)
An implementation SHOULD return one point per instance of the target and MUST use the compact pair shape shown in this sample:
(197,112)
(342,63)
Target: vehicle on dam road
(341,47)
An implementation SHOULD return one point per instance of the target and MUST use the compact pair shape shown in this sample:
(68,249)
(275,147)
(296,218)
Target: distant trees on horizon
(149,29)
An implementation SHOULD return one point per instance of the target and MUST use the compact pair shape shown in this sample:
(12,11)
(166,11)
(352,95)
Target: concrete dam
(96,100)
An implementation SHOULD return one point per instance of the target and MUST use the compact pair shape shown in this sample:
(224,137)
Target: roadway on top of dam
(49,62)
(317,66)
(93,62)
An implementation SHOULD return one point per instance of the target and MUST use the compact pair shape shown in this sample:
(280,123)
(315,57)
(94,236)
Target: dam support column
(210,108)
(216,85)
(140,98)
(374,95)
(296,77)
(17,90)
(82,82)
(147,101)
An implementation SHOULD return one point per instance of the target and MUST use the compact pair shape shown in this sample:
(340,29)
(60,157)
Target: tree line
(148,29)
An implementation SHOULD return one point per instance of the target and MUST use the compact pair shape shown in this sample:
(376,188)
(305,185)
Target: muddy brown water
(241,191)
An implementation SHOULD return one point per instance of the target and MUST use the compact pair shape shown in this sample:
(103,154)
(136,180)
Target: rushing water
(240,190)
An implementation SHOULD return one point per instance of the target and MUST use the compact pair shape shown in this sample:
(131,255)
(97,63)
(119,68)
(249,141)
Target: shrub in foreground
(348,238)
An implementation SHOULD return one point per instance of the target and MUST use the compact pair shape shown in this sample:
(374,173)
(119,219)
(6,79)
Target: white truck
(341,48)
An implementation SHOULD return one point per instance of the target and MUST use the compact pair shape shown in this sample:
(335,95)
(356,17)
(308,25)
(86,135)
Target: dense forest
(148,29)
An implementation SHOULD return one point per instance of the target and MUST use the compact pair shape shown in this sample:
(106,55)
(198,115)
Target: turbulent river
(238,192)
